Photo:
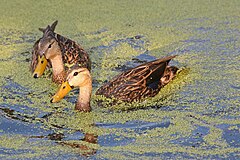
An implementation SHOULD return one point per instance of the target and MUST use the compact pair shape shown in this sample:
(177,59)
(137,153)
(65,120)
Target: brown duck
(58,52)
(135,84)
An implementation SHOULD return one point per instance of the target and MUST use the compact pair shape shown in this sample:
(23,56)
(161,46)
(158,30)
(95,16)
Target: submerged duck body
(143,81)
(57,52)
(135,84)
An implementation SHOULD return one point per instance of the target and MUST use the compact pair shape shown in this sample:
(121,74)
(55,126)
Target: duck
(56,51)
(133,85)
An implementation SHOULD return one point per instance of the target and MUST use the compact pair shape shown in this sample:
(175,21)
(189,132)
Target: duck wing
(137,83)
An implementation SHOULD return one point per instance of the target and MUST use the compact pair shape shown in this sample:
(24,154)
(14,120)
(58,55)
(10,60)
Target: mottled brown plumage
(71,52)
(143,81)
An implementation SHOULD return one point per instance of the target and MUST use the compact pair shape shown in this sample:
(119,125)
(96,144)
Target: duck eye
(75,74)
(50,45)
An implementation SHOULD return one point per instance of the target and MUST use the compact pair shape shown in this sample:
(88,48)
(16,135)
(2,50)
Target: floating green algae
(20,147)
(183,121)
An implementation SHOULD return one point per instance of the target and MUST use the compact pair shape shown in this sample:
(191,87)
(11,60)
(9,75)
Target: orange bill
(62,92)
(41,66)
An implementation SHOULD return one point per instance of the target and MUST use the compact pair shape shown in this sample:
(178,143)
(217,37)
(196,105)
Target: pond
(196,116)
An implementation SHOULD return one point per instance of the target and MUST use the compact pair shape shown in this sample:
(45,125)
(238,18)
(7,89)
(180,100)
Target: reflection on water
(10,127)
(85,150)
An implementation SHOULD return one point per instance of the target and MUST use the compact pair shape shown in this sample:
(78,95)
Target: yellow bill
(41,66)
(62,92)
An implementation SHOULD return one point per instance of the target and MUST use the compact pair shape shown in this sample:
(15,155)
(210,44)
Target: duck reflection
(85,149)
(87,145)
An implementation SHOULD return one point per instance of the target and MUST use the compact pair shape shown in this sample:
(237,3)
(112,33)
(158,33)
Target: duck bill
(62,92)
(41,66)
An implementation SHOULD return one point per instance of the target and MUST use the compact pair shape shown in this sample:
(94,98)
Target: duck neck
(58,69)
(85,92)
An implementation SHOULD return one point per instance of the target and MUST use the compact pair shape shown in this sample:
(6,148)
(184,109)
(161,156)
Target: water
(195,117)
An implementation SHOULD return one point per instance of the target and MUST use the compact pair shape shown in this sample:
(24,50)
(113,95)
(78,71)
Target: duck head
(77,77)
(47,48)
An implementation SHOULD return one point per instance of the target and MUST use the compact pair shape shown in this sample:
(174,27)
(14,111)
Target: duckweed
(185,120)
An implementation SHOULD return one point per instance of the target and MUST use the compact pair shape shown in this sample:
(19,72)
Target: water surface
(196,116)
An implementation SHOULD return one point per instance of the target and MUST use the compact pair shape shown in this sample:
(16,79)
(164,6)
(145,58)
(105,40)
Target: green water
(195,116)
